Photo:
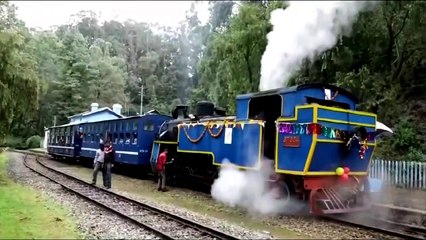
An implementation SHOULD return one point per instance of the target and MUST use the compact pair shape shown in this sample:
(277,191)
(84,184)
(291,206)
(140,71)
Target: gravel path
(92,221)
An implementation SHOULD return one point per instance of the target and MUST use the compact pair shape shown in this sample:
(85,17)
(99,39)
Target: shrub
(33,141)
(13,142)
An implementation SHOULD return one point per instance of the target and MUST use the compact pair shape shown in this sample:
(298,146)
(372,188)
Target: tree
(18,75)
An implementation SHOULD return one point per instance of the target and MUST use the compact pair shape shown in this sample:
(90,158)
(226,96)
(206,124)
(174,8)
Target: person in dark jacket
(109,160)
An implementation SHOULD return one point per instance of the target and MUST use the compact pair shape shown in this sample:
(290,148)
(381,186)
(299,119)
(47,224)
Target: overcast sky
(44,14)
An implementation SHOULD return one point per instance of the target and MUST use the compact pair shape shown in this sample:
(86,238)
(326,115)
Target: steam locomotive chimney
(180,112)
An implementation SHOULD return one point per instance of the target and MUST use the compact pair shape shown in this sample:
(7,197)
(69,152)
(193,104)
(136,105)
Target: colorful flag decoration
(311,128)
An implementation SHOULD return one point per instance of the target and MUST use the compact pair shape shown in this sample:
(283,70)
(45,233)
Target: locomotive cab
(267,108)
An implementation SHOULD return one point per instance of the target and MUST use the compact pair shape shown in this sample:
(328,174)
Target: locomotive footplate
(332,201)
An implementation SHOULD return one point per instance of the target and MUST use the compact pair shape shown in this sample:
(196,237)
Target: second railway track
(162,223)
(391,228)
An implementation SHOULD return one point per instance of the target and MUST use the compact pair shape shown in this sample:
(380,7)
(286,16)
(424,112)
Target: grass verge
(26,214)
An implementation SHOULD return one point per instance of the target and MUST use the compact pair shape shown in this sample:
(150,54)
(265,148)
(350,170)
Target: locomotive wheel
(281,191)
(286,194)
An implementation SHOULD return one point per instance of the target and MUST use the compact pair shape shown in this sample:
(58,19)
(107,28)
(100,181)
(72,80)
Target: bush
(33,141)
(13,142)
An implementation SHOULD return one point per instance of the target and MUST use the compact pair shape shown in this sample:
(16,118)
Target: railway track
(162,223)
(377,224)
(392,226)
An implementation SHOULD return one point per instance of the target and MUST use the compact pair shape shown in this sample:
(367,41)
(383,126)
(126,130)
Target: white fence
(403,174)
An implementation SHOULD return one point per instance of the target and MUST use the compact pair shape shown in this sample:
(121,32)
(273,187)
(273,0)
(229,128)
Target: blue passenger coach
(132,137)
(64,141)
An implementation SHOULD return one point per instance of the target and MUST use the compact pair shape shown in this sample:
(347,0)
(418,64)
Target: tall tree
(18,72)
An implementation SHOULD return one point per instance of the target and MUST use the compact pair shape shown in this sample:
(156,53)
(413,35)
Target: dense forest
(47,75)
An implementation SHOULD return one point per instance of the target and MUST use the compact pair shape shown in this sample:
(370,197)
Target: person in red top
(161,170)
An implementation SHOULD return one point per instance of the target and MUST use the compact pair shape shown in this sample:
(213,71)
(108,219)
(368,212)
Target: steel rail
(170,216)
(383,226)
(386,227)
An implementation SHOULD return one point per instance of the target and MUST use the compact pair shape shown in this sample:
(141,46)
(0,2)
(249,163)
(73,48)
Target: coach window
(135,138)
(52,137)
(121,141)
(128,138)
(115,138)
(67,135)
(52,133)
(73,135)
(148,126)
(135,125)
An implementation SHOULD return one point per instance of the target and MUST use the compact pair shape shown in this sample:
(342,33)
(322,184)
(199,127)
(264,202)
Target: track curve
(164,224)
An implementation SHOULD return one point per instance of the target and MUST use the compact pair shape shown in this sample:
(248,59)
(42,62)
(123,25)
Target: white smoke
(249,190)
(302,31)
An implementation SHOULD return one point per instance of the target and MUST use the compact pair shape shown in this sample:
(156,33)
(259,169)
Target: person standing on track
(98,163)
(161,170)
(108,164)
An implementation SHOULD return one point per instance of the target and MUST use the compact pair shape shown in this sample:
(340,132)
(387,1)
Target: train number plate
(293,142)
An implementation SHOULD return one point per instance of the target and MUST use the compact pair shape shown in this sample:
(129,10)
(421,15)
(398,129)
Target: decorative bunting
(312,128)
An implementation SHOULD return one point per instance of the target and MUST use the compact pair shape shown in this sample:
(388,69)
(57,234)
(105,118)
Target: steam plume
(248,190)
(303,31)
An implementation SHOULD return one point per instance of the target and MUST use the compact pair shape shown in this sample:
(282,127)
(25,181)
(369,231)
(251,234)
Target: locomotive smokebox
(205,108)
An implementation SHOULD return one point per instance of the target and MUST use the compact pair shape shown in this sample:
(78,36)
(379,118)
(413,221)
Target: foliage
(382,61)
(33,141)
(13,142)
(18,67)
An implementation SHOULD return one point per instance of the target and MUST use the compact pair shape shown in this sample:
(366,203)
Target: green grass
(25,214)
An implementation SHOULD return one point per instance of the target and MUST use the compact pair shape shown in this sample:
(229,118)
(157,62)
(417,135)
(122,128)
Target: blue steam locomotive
(319,145)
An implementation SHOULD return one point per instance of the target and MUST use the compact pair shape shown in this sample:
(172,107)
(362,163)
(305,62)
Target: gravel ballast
(93,226)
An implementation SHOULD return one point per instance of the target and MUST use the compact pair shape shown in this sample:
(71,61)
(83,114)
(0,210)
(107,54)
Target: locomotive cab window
(267,108)
(327,103)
